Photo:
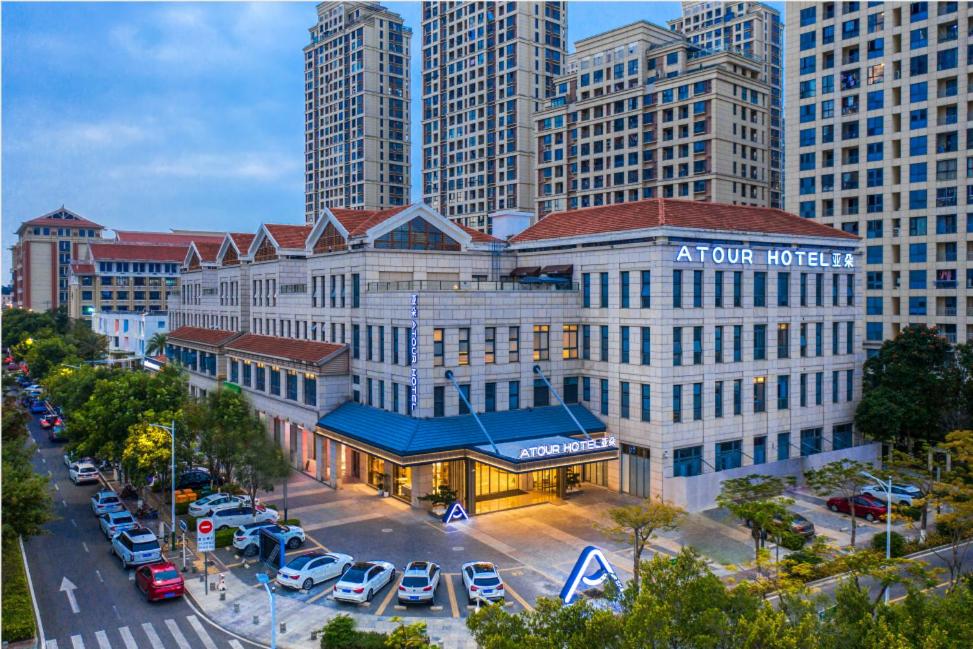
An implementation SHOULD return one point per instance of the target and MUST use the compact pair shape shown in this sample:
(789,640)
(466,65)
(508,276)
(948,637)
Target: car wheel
(251,550)
(308,584)
(293,543)
(833,508)
(369,595)
(869,517)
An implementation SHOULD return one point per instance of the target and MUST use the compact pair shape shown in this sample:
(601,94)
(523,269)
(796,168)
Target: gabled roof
(207,250)
(61,218)
(404,435)
(199,335)
(479,237)
(289,349)
(242,241)
(165,238)
(659,212)
(288,236)
(358,222)
(137,252)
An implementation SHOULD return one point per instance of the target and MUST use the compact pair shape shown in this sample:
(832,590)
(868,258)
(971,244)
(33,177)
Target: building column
(334,452)
(319,454)
(299,450)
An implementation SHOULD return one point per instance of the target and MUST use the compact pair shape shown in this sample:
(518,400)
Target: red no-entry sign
(205,526)
(205,536)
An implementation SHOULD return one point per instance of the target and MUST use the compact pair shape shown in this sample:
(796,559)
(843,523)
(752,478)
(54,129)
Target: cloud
(251,166)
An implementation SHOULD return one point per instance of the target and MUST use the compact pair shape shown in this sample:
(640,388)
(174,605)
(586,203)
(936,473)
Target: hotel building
(486,69)
(42,256)
(879,144)
(755,31)
(652,348)
(641,112)
(356,106)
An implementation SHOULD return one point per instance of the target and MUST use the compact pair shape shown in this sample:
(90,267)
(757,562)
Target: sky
(179,115)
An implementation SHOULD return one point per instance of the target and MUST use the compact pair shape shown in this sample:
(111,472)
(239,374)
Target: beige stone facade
(755,31)
(356,109)
(642,113)
(878,144)
(486,69)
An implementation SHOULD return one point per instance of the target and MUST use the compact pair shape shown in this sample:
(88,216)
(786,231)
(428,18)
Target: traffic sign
(205,536)
(183,526)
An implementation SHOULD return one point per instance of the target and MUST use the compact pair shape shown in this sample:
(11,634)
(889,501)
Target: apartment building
(653,348)
(356,105)
(130,333)
(42,256)
(486,69)
(879,143)
(641,112)
(755,31)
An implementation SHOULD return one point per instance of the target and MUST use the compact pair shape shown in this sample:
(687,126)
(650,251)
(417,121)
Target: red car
(868,507)
(159,581)
(50,420)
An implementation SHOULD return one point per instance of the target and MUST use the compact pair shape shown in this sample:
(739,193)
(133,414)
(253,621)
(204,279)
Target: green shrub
(792,541)
(341,633)
(296,522)
(182,509)
(897,546)
(18,611)
(224,538)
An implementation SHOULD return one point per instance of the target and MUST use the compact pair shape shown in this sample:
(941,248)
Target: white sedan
(238,516)
(902,494)
(206,505)
(482,581)
(309,569)
(362,580)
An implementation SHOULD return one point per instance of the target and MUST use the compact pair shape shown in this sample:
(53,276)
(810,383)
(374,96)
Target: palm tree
(156,344)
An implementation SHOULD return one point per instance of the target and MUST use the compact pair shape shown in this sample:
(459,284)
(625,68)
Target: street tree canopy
(841,479)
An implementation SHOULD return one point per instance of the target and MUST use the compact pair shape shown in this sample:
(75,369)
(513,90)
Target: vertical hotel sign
(414,354)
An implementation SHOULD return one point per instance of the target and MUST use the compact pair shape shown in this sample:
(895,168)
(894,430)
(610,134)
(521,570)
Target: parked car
(114,522)
(868,507)
(136,546)
(362,580)
(106,501)
(38,406)
(237,516)
(50,420)
(160,581)
(83,472)
(196,479)
(419,583)
(482,581)
(72,457)
(902,494)
(307,570)
(206,505)
(57,433)
(798,525)
(247,540)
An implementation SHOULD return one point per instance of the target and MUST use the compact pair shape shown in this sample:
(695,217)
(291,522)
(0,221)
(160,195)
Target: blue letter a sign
(579,580)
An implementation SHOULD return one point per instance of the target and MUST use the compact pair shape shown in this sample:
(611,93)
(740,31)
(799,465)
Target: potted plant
(441,498)
(572,481)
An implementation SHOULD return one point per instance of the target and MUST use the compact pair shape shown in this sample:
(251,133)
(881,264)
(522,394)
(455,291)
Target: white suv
(902,494)
(239,516)
(83,472)
(136,546)
(482,581)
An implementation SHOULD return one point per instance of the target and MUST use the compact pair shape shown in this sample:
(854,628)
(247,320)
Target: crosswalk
(189,633)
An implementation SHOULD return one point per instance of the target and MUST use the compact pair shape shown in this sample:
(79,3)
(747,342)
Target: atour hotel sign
(567,448)
(771,256)
(414,354)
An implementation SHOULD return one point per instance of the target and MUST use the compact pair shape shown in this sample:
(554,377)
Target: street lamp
(262,578)
(172,479)
(887,488)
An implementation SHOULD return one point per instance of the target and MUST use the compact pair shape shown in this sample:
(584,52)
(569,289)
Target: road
(107,611)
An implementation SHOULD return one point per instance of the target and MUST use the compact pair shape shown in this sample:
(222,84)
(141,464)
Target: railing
(445,285)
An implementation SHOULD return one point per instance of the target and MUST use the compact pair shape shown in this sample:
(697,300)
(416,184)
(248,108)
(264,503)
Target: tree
(758,500)
(911,389)
(260,462)
(156,344)
(147,452)
(70,388)
(26,503)
(955,521)
(221,425)
(842,479)
(89,344)
(636,525)
(20,324)
(550,624)
(45,354)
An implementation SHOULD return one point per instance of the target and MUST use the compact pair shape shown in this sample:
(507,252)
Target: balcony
(444,285)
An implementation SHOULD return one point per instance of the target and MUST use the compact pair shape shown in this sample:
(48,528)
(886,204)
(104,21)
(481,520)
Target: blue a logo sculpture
(579,580)
(455,512)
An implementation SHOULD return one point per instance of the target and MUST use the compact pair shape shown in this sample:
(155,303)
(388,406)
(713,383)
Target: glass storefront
(402,482)
(497,490)
(376,471)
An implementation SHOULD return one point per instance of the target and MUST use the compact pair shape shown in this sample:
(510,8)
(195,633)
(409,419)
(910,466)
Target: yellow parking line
(315,542)
(323,593)
(520,600)
(453,606)
(388,598)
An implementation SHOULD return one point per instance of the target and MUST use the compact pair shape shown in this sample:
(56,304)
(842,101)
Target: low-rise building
(130,333)
(652,348)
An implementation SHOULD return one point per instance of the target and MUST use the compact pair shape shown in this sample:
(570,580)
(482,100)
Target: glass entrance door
(497,490)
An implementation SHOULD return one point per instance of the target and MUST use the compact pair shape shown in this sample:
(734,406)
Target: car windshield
(147,546)
(486,581)
(87,469)
(300,562)
(123,519)
(415,582)
(166,575)
(109,499)
(249,527)
(354,575)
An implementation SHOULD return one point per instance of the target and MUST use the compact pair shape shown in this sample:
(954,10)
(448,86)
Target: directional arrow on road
(68,588)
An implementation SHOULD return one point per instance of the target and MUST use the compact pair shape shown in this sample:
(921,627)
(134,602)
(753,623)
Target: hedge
(18,610)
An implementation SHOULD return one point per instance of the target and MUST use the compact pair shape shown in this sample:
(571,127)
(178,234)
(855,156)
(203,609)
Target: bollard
(201,579)
(236,607)
(212,586)
(223,596)
(256,620)
(283,627)
(314,635)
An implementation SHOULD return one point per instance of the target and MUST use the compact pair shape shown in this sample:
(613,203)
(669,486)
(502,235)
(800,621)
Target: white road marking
(131,575)
(68,589)
(50,644)
(57,487)
(85,546)
(153,636)
(127,638)
(77,642)
(234,644)
(43,459)
(201,632)
(98,573)
(102,638)
(177,634)
(74,522)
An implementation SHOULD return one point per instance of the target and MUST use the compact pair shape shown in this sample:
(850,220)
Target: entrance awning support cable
(538,372)
(469,406)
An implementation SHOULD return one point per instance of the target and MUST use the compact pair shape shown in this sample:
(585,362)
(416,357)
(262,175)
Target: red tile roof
(208,250)
(357,222)
(479,237)
(62,218)
(657,212)
(213,337)
(170,238)
(242,241)
(289,236)
(307,351)
(82,268)
(137,252)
